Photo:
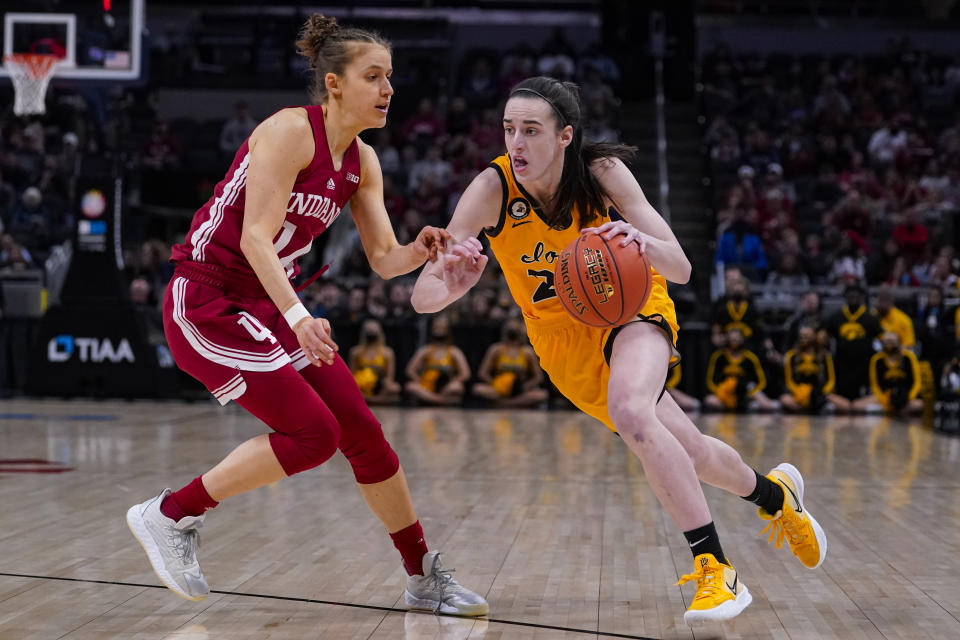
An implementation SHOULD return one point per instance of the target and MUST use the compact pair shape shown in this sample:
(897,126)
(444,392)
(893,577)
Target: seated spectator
(809,376)
(849,260)
(356,310)
(30,216)
(740,245)
(774,214)
(853,329)
(424,126)
(880,265)
(788,275)
(912,235)
(933,329)
(236,129)
(894,379)
(510,374)
(433,168)
(162,150)
(735,378)
(459,117)
(13,255)
(815,260)
(327,302)
(950,379)
(809,315)
(684,400)
(851,214)
(387,153)
(893,319)
(438,370)
(487,133)
(886,142)
(827,191)
(373,365)
(480,86)
(901,275)
(941,273)
(8,199)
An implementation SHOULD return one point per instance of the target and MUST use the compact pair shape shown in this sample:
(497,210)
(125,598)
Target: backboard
(97,39)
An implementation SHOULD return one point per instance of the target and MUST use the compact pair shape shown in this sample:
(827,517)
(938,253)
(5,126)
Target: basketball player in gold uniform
(548,188)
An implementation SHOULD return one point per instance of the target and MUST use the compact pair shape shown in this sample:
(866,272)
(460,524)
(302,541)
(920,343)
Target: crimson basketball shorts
(217,336)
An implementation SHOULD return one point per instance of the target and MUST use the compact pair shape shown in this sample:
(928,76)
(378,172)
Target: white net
(30,73)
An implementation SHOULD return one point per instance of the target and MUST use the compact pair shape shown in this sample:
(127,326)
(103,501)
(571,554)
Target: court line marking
(371,607)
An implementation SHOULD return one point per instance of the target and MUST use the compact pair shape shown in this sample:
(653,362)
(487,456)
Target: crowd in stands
(831,174)
(827,174)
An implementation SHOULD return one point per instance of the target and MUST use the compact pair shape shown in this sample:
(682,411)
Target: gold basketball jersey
(527,250)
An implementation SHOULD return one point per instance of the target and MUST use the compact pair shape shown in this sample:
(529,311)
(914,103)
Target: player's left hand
(431,242)
(612,229)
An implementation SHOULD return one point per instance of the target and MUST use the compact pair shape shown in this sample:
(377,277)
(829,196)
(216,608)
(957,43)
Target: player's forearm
(398,260)
(430,293)
(261,255)
(668,259)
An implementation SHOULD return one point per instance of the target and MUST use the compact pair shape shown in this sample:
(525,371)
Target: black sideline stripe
(371,607)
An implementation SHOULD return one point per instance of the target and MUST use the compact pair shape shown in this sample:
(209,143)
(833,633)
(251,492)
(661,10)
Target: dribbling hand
(431,242)
(463,265)
(313,334)
(614,228)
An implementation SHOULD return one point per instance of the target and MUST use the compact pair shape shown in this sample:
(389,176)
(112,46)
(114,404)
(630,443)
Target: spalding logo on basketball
(601,283)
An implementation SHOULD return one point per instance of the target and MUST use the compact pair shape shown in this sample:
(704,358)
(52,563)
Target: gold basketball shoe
(803,533)
(720,594)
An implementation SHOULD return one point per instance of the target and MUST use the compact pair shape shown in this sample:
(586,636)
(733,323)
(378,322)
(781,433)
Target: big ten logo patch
(598,273)
(518,208)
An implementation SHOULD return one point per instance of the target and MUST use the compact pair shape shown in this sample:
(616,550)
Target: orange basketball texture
(601,283)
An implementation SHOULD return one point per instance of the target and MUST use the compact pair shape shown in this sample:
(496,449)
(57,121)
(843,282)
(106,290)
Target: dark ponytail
(578,186)
(324,43)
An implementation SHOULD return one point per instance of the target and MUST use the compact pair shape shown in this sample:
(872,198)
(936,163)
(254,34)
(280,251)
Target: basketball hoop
(30,73)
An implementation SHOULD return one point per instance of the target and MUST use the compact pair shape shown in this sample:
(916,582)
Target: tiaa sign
(62,348)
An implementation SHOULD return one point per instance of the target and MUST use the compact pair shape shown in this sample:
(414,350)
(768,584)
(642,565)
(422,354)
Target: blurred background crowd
(832,183)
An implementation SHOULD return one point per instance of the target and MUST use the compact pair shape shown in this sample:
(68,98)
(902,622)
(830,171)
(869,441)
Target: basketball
(601,283)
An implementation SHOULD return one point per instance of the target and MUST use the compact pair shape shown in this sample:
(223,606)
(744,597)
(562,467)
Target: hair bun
(314,33)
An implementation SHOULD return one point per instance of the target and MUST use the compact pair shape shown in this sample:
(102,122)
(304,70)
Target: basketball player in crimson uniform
(532,202)
(234,322)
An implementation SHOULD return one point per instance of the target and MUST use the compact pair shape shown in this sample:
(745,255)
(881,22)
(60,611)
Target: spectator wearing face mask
(438,370)
(810,377)
(735,378)
(510,374)
(373,365)
(893,319)
(853,329)
(894,379)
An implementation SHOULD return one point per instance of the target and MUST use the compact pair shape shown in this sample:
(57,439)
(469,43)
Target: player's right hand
(313,334)
(463,265)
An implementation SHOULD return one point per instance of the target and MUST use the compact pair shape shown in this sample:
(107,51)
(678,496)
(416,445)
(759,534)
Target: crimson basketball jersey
(319,194)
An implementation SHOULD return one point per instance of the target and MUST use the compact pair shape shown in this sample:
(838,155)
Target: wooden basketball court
(546,514)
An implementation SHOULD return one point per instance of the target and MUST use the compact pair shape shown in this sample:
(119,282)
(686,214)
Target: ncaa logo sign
(62,348)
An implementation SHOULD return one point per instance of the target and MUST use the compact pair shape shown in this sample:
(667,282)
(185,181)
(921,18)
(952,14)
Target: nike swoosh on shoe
(799,508)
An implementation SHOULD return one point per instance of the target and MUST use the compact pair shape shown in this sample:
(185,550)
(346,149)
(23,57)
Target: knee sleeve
(306,433)
(361,438)
(304,447)
(371,456)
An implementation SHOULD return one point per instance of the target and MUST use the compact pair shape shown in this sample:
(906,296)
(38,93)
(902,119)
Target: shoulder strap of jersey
(497,165)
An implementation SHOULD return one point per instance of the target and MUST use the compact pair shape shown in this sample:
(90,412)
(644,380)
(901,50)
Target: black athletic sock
(768,495)
(705,540)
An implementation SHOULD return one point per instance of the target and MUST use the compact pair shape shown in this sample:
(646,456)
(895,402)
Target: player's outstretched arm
(460,267)
(643,224)
(387,257)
